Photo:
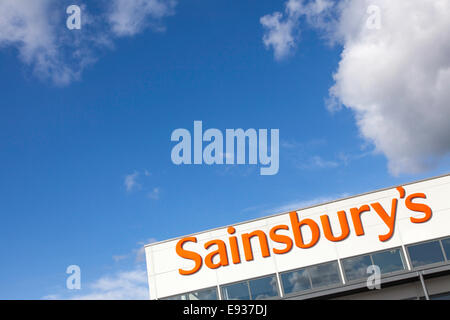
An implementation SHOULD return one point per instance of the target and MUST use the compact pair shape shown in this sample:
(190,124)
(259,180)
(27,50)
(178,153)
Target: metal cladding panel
(163,262)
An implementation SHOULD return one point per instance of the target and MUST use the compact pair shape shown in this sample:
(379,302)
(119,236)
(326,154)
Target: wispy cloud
(236,170)
(125,284)
(129,17)
(303,203)
(118,258)
(319,162)
(297,145)
(130,181)
(282,29)
(302,155)
(140,252)
(136,254)
(341,159)
(154,194)
(36,29)
(136,181)
(296,204)
(26,26)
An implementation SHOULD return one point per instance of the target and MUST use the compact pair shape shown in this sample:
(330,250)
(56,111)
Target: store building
(336,250)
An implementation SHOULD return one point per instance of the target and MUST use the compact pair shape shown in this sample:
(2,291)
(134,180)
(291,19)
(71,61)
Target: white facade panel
(163,261)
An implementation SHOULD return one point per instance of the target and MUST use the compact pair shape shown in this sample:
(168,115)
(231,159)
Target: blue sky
(86,174)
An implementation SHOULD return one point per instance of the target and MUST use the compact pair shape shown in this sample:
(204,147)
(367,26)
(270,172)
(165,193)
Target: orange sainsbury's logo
(296,225)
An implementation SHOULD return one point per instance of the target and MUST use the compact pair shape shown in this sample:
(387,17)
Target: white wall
(163,262)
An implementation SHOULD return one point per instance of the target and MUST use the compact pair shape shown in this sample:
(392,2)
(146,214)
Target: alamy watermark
(73,282)
(373,22)
(231,151)
(374,280)
(74,19)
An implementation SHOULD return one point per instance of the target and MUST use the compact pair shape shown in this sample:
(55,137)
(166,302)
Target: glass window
(446,245)
(356,268)
(263,288)
(311,277)
(324,274)
(205,294)
(425,253)
(442,296)
(177,297)
(388,261)
(236,291)
(295,281)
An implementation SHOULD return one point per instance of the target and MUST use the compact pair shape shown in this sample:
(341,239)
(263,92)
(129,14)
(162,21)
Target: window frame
(447,259)
(297,292)
(347,281)
(312,289)
(370,254)
(247,281)
(431,265)
(187,293)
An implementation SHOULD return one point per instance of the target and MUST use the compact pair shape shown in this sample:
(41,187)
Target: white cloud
(129,17)
(282,30)
(124,285)
(118,258)
(319,162)
(341,159)
(396,78)
(154,194)
(294,205)
(28,27)
(133,182)
(302,155)
(299,204)
(129,284)
(36,29)
(130,181)
(138,253)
